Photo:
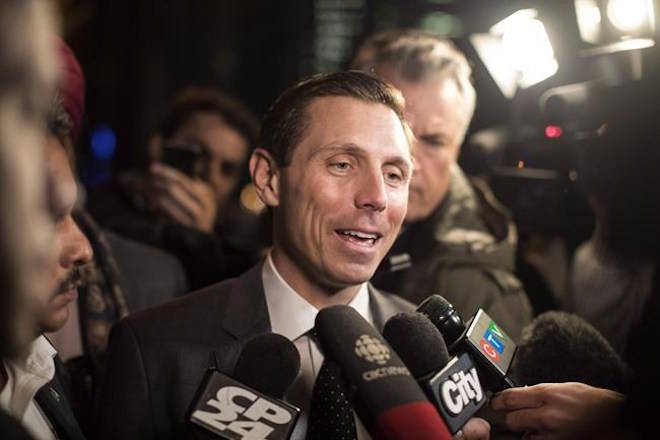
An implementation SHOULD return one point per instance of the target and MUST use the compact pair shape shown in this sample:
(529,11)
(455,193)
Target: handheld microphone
(388,400)
(487,344)
(244,408)
(452,385)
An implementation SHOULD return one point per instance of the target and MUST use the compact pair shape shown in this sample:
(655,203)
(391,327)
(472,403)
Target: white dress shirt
(24,378)
(292,316)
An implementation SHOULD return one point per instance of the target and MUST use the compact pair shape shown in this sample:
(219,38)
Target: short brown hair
(193,100)
(283,125)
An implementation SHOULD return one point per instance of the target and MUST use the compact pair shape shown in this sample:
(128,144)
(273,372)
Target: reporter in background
(460,241)
(190,209)
(620,166)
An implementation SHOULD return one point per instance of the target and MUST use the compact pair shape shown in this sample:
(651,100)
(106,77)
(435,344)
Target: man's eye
(394,176)
(341,165)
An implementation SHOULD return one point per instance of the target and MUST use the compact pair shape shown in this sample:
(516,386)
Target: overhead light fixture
(629,15)
(605,22)
(589,20)
(517,51)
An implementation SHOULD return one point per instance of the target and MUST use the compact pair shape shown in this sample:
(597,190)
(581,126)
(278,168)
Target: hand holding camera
(178,193)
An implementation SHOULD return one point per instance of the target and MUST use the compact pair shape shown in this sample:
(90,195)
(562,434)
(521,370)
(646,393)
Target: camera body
(183,156)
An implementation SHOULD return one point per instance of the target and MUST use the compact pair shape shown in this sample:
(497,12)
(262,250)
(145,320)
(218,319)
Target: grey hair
(418,56)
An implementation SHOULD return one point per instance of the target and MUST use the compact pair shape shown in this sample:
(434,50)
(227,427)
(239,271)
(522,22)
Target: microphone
(387,399)
(244,407)
(452,385)
(487,344)
(562,347)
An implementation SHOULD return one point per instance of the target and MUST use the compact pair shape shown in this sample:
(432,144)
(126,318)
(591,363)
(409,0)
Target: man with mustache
(35,388)
(32,387)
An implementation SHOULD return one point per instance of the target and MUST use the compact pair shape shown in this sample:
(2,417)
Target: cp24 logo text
(239,413)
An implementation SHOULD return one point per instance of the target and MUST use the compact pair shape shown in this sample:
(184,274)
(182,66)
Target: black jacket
(464,251)
(157,358)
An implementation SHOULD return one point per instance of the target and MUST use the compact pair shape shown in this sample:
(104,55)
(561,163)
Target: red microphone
(386,397)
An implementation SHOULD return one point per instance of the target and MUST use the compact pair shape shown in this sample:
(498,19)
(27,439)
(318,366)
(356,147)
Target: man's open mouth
(359,237)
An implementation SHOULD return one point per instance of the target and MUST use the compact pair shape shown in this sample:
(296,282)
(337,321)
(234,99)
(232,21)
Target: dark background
(137,53)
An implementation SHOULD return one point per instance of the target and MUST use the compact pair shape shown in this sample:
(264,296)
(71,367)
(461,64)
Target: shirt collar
(26,375)
(290,314)
(39,361)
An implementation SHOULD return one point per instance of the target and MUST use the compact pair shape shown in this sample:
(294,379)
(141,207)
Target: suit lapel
(382,307)
(53,401)
(247,313)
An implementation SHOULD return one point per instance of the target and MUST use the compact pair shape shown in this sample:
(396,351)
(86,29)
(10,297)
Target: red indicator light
(553,131)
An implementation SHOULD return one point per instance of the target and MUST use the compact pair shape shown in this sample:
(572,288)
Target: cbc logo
(372,349)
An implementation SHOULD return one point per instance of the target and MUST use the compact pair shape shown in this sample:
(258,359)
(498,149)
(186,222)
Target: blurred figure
(123,276)
(36,386)
(184,203)
(621,169)
(26,77)
(27,74)
(609,291)
(458,241)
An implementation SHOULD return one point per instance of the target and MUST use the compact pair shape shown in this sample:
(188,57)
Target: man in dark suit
(333,168)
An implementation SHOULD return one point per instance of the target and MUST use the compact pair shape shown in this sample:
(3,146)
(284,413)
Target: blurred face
(71,246)
(225,151)
(436,113)
(343,197)
(25,227)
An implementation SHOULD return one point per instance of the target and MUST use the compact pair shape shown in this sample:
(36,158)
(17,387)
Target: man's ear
(265,177)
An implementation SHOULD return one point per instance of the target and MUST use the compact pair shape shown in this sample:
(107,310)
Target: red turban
(71,86)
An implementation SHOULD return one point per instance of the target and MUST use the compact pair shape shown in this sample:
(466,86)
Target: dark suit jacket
(55,403)
(157,359)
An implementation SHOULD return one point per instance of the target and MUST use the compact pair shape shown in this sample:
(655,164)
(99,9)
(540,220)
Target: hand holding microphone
(569,410)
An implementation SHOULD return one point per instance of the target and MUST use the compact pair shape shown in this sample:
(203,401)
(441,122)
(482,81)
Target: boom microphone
(487,344)
(387,399)
(244,408)
(452,385)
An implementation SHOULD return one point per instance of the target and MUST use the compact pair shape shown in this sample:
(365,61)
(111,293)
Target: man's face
(343,197)
(435,110)
(225,151)
(71,246)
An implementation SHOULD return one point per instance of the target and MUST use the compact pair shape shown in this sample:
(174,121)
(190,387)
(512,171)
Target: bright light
(526,47)
(588,18)
(629,15)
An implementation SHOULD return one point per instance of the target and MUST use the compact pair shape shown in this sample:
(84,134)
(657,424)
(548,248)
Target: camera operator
(620,168)
(183,203)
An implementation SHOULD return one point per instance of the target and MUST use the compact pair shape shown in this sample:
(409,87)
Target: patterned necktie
(331,414)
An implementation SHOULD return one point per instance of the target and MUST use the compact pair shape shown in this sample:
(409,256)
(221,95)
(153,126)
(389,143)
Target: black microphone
(452,385)
(387,399)
(562,347)
(244,407)
(491,349)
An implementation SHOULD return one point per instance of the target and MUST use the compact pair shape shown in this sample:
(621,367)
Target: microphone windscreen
(418,342)
(562,347)
(443,315)
(269,363)
(387,397)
